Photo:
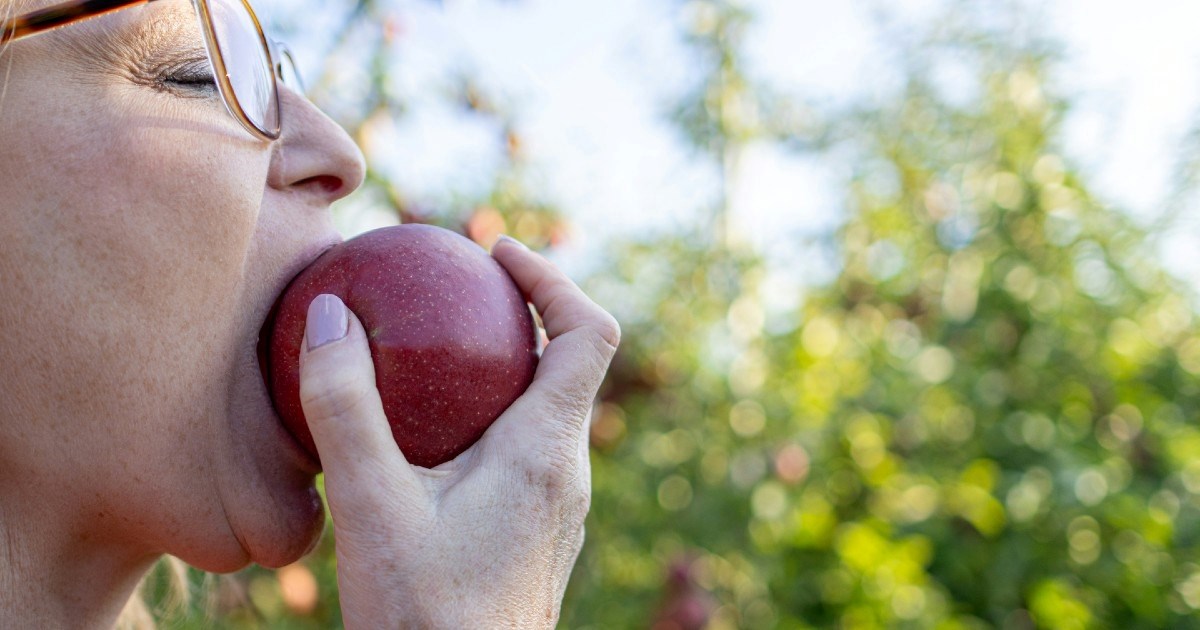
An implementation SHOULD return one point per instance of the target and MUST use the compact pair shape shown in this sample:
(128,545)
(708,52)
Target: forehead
(159,18)
(137,25)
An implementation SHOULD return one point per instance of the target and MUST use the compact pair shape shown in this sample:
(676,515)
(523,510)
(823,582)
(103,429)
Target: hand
(489,539)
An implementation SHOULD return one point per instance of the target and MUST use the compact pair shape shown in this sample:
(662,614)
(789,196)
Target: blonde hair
(170,576)
(8,11)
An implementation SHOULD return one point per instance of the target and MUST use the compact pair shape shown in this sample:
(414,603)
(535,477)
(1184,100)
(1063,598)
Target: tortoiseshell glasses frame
(280,67)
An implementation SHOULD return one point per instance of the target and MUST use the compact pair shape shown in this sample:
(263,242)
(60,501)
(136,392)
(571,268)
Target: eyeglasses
(247,66)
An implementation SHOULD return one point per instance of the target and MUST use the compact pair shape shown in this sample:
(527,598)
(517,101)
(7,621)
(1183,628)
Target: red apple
(451,336)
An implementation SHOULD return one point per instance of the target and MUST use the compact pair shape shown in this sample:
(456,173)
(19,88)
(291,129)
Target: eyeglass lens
(247,62)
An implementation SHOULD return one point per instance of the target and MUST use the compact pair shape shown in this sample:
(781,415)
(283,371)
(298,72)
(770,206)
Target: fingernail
(504,238)
(327,321)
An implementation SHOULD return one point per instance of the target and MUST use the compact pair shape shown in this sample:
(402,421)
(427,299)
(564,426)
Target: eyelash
(192,77)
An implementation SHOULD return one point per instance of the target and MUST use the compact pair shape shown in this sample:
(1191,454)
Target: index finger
(583,336)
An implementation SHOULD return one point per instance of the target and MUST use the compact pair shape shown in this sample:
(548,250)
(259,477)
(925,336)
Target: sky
(592,79)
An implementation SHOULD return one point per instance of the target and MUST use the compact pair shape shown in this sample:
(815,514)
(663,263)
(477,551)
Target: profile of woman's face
(144,235)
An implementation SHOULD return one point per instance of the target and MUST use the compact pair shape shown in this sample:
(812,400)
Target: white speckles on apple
(451,336)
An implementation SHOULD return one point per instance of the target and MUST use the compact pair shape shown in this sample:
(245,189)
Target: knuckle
(573,404)
(555,474)
(601,340)
(338,396)
(574,504)
(557,308)
(549,285)
(608,331)
(579,541)
(581,504)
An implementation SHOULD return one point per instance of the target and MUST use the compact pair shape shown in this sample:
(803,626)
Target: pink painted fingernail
(327,321)
(504,238)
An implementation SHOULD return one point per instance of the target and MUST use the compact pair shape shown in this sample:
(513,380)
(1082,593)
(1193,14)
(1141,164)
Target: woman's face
(144,235)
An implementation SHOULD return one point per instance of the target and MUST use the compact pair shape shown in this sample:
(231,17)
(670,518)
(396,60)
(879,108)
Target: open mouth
(264,340)
(266,330)
(307,460)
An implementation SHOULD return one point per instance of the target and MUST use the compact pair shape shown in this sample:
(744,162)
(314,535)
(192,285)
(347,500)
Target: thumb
(342,405)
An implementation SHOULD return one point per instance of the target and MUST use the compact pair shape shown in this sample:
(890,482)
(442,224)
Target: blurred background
(907,288)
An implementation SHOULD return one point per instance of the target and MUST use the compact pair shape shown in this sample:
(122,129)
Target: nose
(314,155)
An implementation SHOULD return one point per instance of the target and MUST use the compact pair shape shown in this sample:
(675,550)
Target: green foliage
(983,421)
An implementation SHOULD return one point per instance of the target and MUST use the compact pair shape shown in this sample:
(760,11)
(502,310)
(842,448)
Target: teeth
(264,333)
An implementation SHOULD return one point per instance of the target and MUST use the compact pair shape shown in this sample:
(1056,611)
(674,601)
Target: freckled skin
(451,336)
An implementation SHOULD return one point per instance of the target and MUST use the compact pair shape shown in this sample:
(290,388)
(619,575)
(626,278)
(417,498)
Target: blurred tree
(981,422)
(357,84)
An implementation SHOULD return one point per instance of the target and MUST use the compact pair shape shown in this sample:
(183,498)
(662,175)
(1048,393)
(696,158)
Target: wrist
(491,618)
(447,615)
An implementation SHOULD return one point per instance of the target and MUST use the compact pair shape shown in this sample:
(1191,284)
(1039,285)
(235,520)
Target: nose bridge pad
(273,50)
(285,67)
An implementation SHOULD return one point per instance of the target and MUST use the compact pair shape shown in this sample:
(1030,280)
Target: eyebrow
(167,27)
(138,38)
(124,43)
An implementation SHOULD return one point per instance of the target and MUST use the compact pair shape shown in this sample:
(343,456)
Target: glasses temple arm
(59,15)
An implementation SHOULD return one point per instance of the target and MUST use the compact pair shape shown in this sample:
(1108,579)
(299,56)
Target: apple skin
(451,336)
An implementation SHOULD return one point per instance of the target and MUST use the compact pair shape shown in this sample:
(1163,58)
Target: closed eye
(194,77)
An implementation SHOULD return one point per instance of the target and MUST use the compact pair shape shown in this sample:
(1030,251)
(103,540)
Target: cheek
(145,219)
(125,231)
(127,226)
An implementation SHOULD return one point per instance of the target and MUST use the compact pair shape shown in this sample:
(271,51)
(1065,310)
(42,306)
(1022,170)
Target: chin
(280,541)
(270,535)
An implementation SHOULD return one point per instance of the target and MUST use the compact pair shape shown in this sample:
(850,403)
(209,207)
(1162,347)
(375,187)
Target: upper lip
(298,264)
(285,276)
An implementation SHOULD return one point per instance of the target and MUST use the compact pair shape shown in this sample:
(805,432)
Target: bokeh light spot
(675,493)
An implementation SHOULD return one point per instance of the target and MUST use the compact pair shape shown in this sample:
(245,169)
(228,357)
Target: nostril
(328,184)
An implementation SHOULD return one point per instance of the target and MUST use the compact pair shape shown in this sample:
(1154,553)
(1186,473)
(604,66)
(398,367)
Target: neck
(56,574)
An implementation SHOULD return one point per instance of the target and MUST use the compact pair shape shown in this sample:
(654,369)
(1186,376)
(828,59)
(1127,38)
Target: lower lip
(304,460)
